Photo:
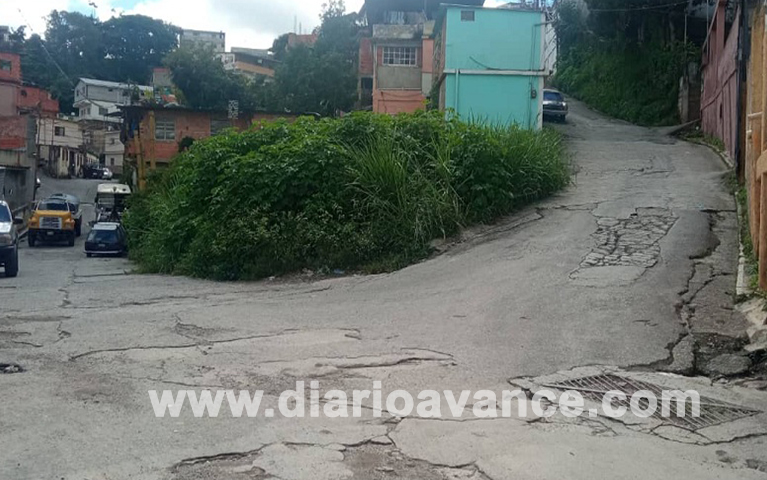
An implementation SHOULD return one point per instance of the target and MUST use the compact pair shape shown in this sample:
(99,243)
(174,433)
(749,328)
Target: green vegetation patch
(363,192)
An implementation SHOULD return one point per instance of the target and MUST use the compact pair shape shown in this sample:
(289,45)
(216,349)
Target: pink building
(396,55)
(719,102)
(20,107)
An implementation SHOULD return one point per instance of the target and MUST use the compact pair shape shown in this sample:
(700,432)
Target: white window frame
(400,56)
(165,129)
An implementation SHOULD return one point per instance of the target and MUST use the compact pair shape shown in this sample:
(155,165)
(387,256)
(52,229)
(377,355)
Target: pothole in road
(8,368)
(712,412)
(369,461)
(632,241)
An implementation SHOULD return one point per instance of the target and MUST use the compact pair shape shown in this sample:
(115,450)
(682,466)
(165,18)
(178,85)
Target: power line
(637,9)
(45,49)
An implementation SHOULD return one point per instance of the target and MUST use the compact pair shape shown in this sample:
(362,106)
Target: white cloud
(247,23)
(30,13)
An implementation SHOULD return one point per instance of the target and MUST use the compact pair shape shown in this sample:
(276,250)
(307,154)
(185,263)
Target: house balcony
(397,32)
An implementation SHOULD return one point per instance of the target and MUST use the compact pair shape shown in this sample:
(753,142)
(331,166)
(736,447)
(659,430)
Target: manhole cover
(712,412)
(10,368)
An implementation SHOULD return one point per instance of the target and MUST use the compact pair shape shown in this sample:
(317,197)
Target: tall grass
(637,83)
(366,191)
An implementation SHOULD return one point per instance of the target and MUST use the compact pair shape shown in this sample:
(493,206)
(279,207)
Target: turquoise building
(491,63)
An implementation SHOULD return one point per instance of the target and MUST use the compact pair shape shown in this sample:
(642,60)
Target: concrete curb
(722,155)
(674,129)
(742,286)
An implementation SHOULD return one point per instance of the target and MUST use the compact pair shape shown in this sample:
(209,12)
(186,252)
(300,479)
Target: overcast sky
(247,23)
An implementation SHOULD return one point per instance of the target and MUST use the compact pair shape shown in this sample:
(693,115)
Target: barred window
(218,125)
(165,130)
(400,56)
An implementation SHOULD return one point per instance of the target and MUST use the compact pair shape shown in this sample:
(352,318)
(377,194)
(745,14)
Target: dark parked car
(95,171)
(554,106)
(9,241)
(106,238)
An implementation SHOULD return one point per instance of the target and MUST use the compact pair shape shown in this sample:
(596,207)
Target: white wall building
(95,99)
(60,145)
(202,38)
(114,151)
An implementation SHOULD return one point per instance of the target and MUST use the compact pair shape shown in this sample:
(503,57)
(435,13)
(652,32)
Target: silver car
(9,241)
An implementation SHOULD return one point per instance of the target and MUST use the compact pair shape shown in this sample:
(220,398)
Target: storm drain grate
(10,368)
(712,412)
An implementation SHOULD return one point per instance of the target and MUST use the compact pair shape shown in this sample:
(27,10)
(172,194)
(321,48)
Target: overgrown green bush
(366,191)
(637,83)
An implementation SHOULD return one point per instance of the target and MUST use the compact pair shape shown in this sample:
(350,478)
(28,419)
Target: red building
(20,107)
(719,100)
(396,60)
(153,135)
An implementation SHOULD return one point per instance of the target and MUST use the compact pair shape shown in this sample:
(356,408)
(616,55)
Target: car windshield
(72,201)
(53,206)
(553,97)
(103,236)
(5,215)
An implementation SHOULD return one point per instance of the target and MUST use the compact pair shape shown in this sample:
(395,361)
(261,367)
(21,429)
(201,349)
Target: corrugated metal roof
(104,83)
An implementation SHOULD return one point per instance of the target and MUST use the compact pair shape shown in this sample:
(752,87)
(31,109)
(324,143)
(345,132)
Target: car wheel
(71,240)
(31,239)
(89,255)
(12,267)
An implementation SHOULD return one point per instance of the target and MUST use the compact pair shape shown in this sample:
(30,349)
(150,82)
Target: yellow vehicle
(52,221)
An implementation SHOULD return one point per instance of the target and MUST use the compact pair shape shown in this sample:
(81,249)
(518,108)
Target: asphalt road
(636,258)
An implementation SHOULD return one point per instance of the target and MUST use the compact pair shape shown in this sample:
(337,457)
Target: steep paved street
(627,270)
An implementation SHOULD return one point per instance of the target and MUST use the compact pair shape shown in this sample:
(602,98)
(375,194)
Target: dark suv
(9,241)
(554,106)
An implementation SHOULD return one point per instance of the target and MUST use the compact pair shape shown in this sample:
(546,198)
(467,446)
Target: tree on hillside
(339,31)
(134,44)
(640,21)
(38,68)
(15,41)
(323,78)
(76,42)
(295,80)
(280,47)
(123,49)
(205,84)
(625,57)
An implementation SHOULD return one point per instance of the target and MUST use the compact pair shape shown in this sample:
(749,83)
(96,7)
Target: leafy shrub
(365,191)
(637,83)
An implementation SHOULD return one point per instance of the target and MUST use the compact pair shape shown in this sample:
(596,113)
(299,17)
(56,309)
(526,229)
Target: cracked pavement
(630,271)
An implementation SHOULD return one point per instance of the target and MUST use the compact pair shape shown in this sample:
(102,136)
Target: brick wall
(30,98)
(397,101)
(188,123)
(14,75)
(427,55)
(366,56)
(13,132)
